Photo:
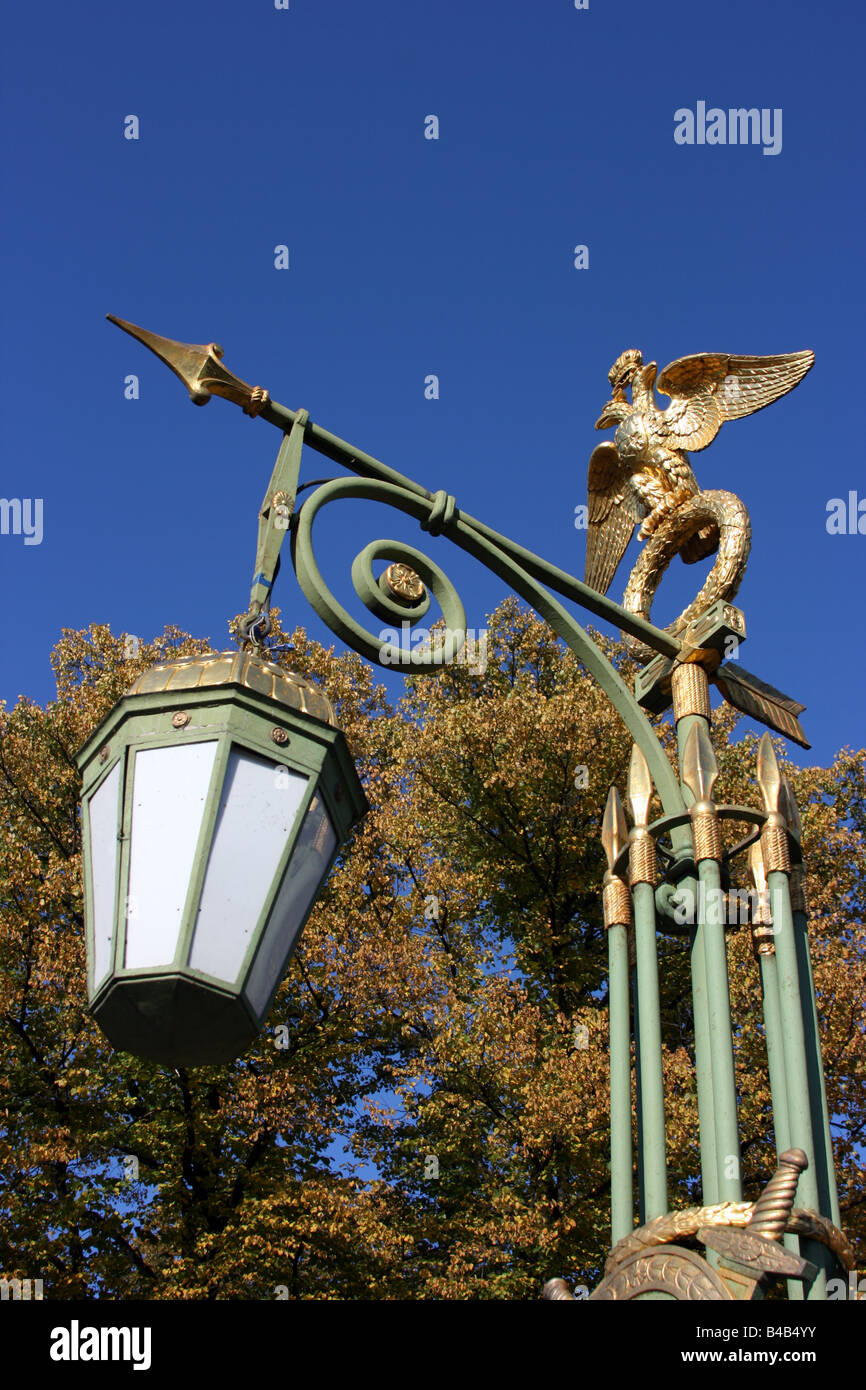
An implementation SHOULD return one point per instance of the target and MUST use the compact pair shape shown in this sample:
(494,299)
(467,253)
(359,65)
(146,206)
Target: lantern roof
(237,668)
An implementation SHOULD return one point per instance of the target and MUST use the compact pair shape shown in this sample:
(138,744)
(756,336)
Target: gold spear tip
(614,828)
(790,810)
(186,360)
(757,872)
(769,775)
(640,786)
(700,769)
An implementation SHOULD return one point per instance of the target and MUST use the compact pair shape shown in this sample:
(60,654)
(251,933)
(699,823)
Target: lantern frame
(176,1013)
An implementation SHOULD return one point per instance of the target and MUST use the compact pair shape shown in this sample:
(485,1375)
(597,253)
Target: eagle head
(624,370)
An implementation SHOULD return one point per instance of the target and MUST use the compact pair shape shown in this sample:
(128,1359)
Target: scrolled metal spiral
(376,647)
(527,574)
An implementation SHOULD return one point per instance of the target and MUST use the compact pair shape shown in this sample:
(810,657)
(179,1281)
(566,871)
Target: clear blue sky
(411,256)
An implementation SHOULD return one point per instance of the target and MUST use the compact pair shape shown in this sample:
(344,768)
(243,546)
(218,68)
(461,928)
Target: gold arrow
(199,367)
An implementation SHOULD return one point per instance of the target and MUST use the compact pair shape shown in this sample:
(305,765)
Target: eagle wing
(611,517)
(711,387)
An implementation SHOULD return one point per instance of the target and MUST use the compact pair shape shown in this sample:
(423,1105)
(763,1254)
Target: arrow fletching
(761,701)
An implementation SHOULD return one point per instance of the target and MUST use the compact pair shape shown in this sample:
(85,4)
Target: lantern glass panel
(258,808)
(169,792)
(312,854)
(104,854)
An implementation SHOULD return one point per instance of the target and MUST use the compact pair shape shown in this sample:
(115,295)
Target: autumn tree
(426,1115)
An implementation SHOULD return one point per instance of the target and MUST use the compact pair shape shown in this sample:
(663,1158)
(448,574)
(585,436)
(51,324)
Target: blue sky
(411,257)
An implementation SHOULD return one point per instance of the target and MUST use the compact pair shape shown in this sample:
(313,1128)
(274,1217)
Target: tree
(426,1115)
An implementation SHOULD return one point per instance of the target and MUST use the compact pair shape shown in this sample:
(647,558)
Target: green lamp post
(219,790)
(216,796)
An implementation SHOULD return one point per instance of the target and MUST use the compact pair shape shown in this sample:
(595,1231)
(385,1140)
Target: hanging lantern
(217,794)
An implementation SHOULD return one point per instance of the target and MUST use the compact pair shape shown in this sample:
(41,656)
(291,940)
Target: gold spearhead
(790,810)
(757,872)
(769,775)
(614,829)
(640,787)
(199,367)
(700,769)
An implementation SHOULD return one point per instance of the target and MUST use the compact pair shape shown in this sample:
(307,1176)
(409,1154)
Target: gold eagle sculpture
(643,475)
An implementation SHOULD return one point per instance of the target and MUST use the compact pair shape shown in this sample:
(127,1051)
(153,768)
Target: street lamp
(200,873)
(216,796)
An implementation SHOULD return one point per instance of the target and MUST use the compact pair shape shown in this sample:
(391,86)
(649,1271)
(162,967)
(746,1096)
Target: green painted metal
(652,1111)
(796,1068)
(638,1103)
(774,1040)
(775,1051)
(799,1098)
(621,1156)
(284,479)
(701,1011)
(729,1176)
(703,1065)
(471,538)
(820,1113)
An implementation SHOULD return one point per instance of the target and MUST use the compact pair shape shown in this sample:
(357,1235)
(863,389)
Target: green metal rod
(824,1163)
(559,580)
(621,1156)
(638,1103)
(775,1052)
(730,1181)
(778,1089)
(652,1111)
(796,1067)
(701,1008)
(703,1066)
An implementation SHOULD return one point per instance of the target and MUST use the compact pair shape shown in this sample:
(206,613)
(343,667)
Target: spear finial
(700,769)
(199,367)
(640,787)
(790,810)
(614,829)
(769,775)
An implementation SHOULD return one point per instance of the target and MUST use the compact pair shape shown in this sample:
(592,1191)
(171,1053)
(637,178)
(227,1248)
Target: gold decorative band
(799,902)
(763,939)
(691,691)
(642,866)
(706,836)
(617,903)
(259,398)
(775,849)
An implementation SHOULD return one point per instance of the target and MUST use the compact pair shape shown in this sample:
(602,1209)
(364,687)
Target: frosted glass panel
(104,847)
(169,792)
(258,808)
(308,865)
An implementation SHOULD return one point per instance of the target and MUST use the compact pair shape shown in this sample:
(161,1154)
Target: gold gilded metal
(403,583)
(616,898)
(643,866)
(763,935)
(774,835)
(237,668)
(700,773)
(199,367)
(643,476)
(690,690)
(791,811)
